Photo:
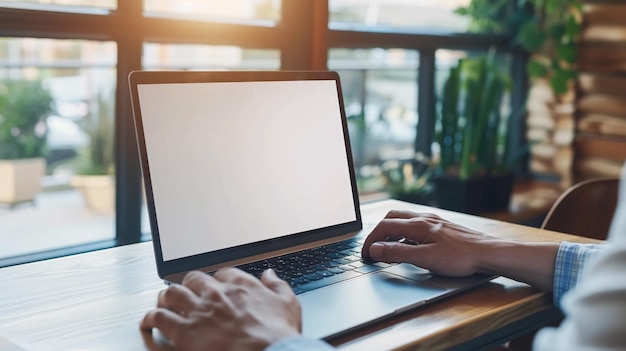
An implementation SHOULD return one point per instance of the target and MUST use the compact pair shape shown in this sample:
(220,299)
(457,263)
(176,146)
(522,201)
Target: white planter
(98,192)
(20,180)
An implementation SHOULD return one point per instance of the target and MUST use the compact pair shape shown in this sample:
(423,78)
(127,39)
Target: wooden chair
(585,209)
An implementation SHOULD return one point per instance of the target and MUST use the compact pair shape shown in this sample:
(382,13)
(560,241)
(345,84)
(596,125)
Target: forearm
(531,263)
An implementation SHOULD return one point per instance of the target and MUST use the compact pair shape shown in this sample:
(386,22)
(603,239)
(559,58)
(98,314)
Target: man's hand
(446,248)
(428,241)
(230,311)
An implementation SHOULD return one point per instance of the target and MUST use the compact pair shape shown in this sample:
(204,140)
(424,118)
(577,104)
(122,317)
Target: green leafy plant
(98,158)
(470,129)
(497,16)
(552,36)
(24,108)
(548,29)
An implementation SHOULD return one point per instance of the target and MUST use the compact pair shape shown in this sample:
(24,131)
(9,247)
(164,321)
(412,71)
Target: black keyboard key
(326,273)
(291,275)
(313,276)
(341,261)
(306,271)
(319,267)
(336,270)
(331,264)
(298,281)
(334,255)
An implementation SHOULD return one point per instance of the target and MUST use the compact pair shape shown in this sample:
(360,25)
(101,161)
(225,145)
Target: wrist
(491,256)
(531,263)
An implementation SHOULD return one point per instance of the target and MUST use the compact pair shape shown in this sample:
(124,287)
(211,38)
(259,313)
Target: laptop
(254,170)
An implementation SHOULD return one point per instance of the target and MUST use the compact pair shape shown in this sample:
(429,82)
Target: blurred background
(65,118)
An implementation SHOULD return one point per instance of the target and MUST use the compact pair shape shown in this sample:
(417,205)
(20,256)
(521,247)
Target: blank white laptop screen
(233,163)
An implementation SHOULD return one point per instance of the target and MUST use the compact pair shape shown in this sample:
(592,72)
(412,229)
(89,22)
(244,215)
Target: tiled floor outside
(57,218)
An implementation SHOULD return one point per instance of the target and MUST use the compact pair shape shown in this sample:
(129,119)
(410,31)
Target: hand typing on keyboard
(229,310)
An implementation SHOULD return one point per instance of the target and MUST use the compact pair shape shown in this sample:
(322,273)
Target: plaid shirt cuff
(570,260)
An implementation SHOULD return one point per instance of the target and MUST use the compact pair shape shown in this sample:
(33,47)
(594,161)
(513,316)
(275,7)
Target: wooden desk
(96,300)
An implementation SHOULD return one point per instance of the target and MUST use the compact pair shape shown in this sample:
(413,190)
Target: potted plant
(95,168)
(409,180)
(471,134)
(549,31)
(24,108)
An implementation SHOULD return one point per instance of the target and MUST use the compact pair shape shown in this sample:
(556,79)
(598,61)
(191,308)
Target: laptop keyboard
(318,267)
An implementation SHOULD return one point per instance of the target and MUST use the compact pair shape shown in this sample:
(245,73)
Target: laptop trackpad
(340,307)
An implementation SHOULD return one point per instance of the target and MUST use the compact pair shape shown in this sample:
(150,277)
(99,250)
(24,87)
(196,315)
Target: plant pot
(498,190)
(20,180)
(98,192)
(455,194)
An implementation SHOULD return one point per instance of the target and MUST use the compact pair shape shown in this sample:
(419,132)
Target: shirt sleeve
(300,343)
(570,260)
(595,309)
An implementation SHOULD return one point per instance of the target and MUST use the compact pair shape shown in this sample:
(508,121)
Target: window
(380,97)
(216,9)
(80,77)
(416,14)
(61,5)
(207,57)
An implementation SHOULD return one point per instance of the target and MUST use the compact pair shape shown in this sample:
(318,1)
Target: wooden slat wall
(600,142)
(582,135)
(551,125)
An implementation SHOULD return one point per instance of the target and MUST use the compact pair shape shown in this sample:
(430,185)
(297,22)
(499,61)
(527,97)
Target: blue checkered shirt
(570,261)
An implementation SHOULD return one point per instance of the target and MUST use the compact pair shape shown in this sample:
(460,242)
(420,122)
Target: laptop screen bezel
(165,268)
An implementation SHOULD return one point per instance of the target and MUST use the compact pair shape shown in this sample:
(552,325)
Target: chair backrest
(585,209)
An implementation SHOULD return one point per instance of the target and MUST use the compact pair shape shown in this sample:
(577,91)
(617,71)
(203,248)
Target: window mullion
(128,192)
(130,9)
(304,28)
(426,101)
